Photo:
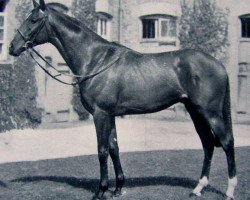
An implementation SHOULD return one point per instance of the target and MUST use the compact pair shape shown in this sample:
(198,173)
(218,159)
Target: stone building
(145,26)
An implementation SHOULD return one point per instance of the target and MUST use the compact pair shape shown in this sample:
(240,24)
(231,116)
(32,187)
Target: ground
(161,160)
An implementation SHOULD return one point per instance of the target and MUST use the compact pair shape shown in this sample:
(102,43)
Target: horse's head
(33,30)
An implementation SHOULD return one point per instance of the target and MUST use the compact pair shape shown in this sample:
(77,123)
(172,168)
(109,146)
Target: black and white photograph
(124,99)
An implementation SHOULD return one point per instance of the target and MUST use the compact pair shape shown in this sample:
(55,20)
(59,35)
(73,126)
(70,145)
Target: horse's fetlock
(203,181)
(120,179)
(233,181)
(104,186)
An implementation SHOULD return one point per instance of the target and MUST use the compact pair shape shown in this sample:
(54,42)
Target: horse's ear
(42,5)
(35,4)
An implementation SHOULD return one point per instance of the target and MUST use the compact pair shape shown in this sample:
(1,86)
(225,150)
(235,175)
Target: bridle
(29,41)
(29,44)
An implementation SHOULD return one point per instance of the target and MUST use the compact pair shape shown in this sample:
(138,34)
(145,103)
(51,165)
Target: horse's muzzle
(12,50)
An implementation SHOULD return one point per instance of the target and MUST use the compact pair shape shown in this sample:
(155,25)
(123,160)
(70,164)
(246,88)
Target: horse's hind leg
(114,153)
(207,140)
(223,132)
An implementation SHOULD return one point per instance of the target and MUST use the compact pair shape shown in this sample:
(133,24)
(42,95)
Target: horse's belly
(147,100)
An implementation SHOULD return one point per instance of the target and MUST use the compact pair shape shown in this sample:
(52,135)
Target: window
(168,28)
(104,25)
(245,26)
(3,51)
(148,28)
(159,28)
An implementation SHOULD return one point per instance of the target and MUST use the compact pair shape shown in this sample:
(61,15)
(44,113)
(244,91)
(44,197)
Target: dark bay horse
(136,83)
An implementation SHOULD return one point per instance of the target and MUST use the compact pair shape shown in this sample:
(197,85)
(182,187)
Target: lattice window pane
(164,28)
(172,28)
(148,30)
(245,28)
(1,34)
(1,21)
(1,48)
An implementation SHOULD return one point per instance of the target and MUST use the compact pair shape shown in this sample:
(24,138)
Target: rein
(47,72)
(29,47)
(83,78)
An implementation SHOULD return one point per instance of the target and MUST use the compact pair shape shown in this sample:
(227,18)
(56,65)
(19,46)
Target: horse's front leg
(103,129)
(114,153)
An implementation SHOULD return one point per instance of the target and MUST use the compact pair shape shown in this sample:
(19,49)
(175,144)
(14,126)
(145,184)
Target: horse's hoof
(118,193)
(98,195)
(95,197)
(197,194)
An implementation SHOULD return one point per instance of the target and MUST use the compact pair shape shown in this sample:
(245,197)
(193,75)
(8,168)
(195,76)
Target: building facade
(144,25)
(147,26)
(239,57)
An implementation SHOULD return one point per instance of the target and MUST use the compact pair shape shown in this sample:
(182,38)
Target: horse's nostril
(11,47)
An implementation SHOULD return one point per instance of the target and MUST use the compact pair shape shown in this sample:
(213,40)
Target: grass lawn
(154,175)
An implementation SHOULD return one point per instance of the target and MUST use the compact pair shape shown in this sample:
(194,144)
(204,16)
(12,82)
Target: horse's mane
(78,26)
(69,21)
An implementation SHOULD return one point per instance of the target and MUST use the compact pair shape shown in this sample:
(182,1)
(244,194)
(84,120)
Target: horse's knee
(103,153)
(228,144)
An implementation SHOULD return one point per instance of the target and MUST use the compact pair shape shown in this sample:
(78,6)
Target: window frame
(104,25)
(247,35)
(158,28)
(3,54)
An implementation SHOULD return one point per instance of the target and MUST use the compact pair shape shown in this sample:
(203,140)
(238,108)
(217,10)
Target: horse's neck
(72,42)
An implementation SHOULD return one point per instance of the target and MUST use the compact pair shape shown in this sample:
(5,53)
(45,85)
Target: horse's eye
(29,28)
(34,20)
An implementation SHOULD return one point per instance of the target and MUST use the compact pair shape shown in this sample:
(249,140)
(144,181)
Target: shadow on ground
(92,184)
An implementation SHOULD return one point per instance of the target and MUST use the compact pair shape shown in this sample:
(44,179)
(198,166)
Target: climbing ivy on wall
(18,90)
(204,26)
(83,10)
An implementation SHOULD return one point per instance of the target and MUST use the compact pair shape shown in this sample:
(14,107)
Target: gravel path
(133,135)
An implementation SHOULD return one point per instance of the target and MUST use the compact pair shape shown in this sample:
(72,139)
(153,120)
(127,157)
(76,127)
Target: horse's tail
(226,110)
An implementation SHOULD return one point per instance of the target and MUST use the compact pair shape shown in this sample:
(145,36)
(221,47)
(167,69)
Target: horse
(136,83)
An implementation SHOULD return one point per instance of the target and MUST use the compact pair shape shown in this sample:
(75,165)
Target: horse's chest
(102,96)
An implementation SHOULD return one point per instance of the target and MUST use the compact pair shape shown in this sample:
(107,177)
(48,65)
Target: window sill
(170,43)
(244,39)
(149,41)
(160,42)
